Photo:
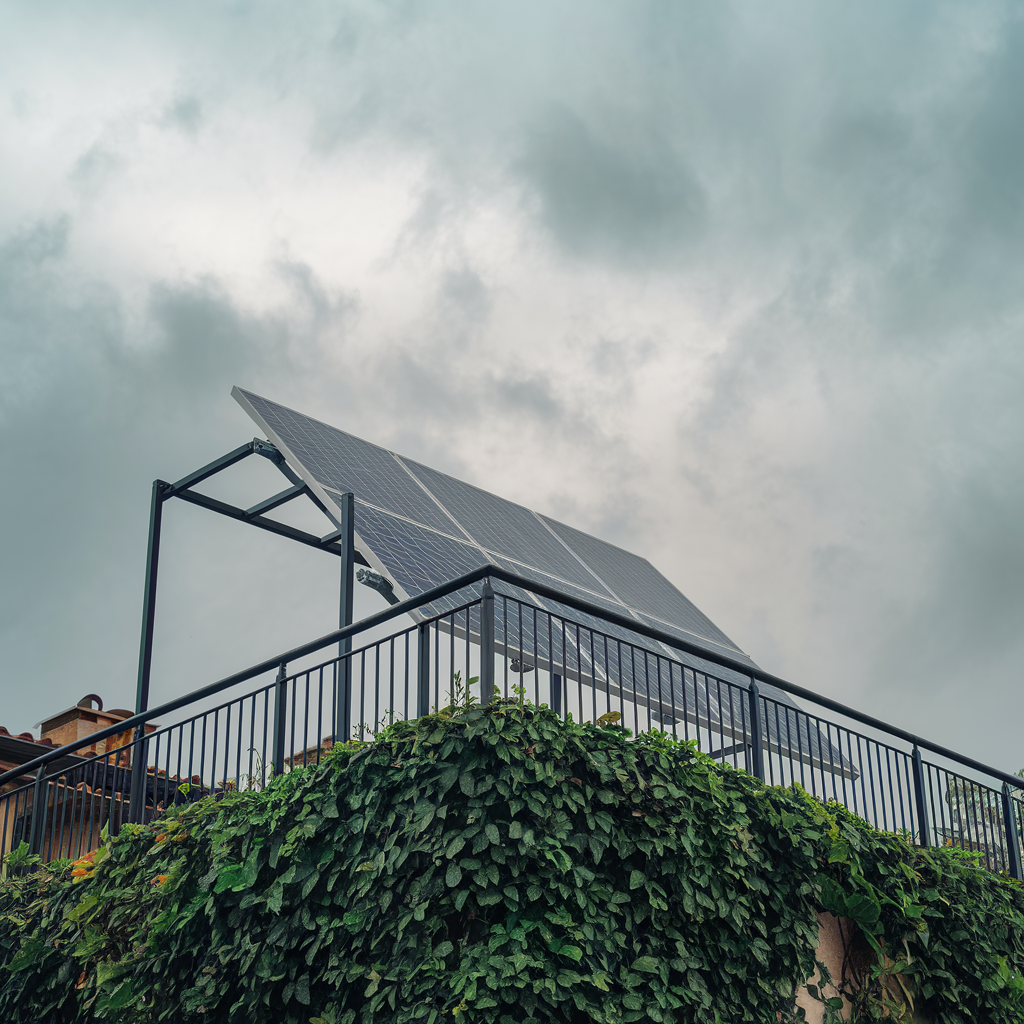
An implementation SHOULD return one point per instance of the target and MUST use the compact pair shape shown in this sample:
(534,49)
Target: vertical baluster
(756,739)
(1013,857)
(487,641)
(423,670)
(280,719)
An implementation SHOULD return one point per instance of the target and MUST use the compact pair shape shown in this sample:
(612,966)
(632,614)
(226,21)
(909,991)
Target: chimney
(83,720)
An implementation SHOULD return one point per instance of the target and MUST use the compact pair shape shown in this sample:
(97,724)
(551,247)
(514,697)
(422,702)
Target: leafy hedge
(497,864)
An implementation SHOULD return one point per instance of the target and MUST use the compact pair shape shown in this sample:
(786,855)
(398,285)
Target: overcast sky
(737,286)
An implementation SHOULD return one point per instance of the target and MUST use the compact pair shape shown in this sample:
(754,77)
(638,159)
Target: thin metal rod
(756,740)
(35,842)
(149,597)
(487,640)
(343,726)
(1013,864)
(241,452)
(233,512)
(280,717)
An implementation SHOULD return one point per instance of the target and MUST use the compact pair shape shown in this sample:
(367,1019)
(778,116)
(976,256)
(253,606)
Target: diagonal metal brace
(276,500)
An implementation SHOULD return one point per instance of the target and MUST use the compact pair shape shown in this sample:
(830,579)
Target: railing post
(486,642)
(35,837)
(343,725)
(921,800)
(1013,860)
(556,693)
(140,755)
(756,738)
(280,719)
(423,670)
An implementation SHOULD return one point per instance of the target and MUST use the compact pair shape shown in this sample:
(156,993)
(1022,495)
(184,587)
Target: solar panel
(425,528)
(428,527)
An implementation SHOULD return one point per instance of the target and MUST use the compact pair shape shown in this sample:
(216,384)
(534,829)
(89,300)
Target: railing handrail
(378,618)
(413,604)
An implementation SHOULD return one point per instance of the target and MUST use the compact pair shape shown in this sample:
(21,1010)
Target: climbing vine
(493,863)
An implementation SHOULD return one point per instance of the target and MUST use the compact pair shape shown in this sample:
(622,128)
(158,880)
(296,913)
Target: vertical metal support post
(140,757)
(556,693)
(280,719)
(486,642)
(756,734)
(921,800)
(149,598)
(423,670)
(35,838)
(1013,859)
(343,726)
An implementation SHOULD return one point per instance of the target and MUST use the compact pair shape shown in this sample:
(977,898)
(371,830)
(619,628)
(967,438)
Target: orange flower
(79,872)
(159,880)
(160,838)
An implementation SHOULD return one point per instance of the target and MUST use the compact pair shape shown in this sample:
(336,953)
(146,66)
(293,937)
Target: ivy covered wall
(496,864)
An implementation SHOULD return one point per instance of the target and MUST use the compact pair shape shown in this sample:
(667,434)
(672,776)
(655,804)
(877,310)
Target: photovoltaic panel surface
(426,527)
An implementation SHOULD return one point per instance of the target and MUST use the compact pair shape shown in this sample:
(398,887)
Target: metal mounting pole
(149,598)
(921,799)
(343,726)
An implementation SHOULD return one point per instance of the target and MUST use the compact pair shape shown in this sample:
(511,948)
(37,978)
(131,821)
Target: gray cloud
(737,287)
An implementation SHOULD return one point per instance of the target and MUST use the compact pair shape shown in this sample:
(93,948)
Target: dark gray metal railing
(532,642)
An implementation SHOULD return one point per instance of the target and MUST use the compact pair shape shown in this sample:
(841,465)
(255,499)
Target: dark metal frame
(338,542)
